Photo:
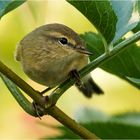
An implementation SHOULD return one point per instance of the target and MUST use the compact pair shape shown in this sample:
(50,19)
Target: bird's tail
(89,87)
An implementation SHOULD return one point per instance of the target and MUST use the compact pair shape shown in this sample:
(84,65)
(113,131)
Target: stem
(92,65)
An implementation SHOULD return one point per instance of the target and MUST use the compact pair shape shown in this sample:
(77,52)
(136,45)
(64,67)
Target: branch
(54,111)
(38,98)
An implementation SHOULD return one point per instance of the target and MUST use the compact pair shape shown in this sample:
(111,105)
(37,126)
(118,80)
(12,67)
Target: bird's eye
(63,41)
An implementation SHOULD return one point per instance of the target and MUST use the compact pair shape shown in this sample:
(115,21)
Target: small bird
(53,52)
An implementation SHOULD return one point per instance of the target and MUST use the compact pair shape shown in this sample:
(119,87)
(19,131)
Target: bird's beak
(84,51)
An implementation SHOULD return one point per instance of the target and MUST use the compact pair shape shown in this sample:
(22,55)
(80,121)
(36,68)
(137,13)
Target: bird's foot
(42,110)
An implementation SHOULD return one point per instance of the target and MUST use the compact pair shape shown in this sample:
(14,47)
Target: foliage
(112,20)
(125,64)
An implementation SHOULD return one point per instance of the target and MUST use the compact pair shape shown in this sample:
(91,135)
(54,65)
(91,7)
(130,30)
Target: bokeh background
(14,122)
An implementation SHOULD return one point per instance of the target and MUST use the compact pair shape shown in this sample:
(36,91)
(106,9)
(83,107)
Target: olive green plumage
(49,53)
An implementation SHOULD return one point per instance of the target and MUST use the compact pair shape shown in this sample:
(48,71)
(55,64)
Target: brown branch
(54,111)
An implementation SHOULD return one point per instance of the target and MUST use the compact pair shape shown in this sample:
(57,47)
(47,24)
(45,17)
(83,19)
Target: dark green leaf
(100,14)
(9,5)
(112,18)
(112,130)
(17,94)
(125,64)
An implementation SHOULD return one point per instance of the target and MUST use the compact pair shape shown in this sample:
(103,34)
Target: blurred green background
(14,122)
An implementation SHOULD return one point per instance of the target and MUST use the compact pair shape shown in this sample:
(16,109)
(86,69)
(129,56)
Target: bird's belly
(55,72)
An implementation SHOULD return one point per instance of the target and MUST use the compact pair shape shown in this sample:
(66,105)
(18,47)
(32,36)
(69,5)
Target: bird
(51,53)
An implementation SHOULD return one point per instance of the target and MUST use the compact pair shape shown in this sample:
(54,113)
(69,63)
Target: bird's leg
(75,74)
(54,96)
(37,108)
(58,92)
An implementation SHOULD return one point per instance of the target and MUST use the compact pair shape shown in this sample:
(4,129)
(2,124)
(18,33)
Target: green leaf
(17,94)
(100,14)
(125,64)
(121,126)
(112,130)
(112,18)
(9,5)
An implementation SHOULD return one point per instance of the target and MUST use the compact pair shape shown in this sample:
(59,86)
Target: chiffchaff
(51,52)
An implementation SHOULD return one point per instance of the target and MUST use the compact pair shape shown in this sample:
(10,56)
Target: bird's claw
(40,110)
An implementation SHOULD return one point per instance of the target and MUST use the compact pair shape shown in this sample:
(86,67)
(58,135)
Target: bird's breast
(54,70)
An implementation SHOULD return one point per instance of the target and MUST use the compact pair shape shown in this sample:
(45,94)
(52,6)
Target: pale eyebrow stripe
(57,39)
